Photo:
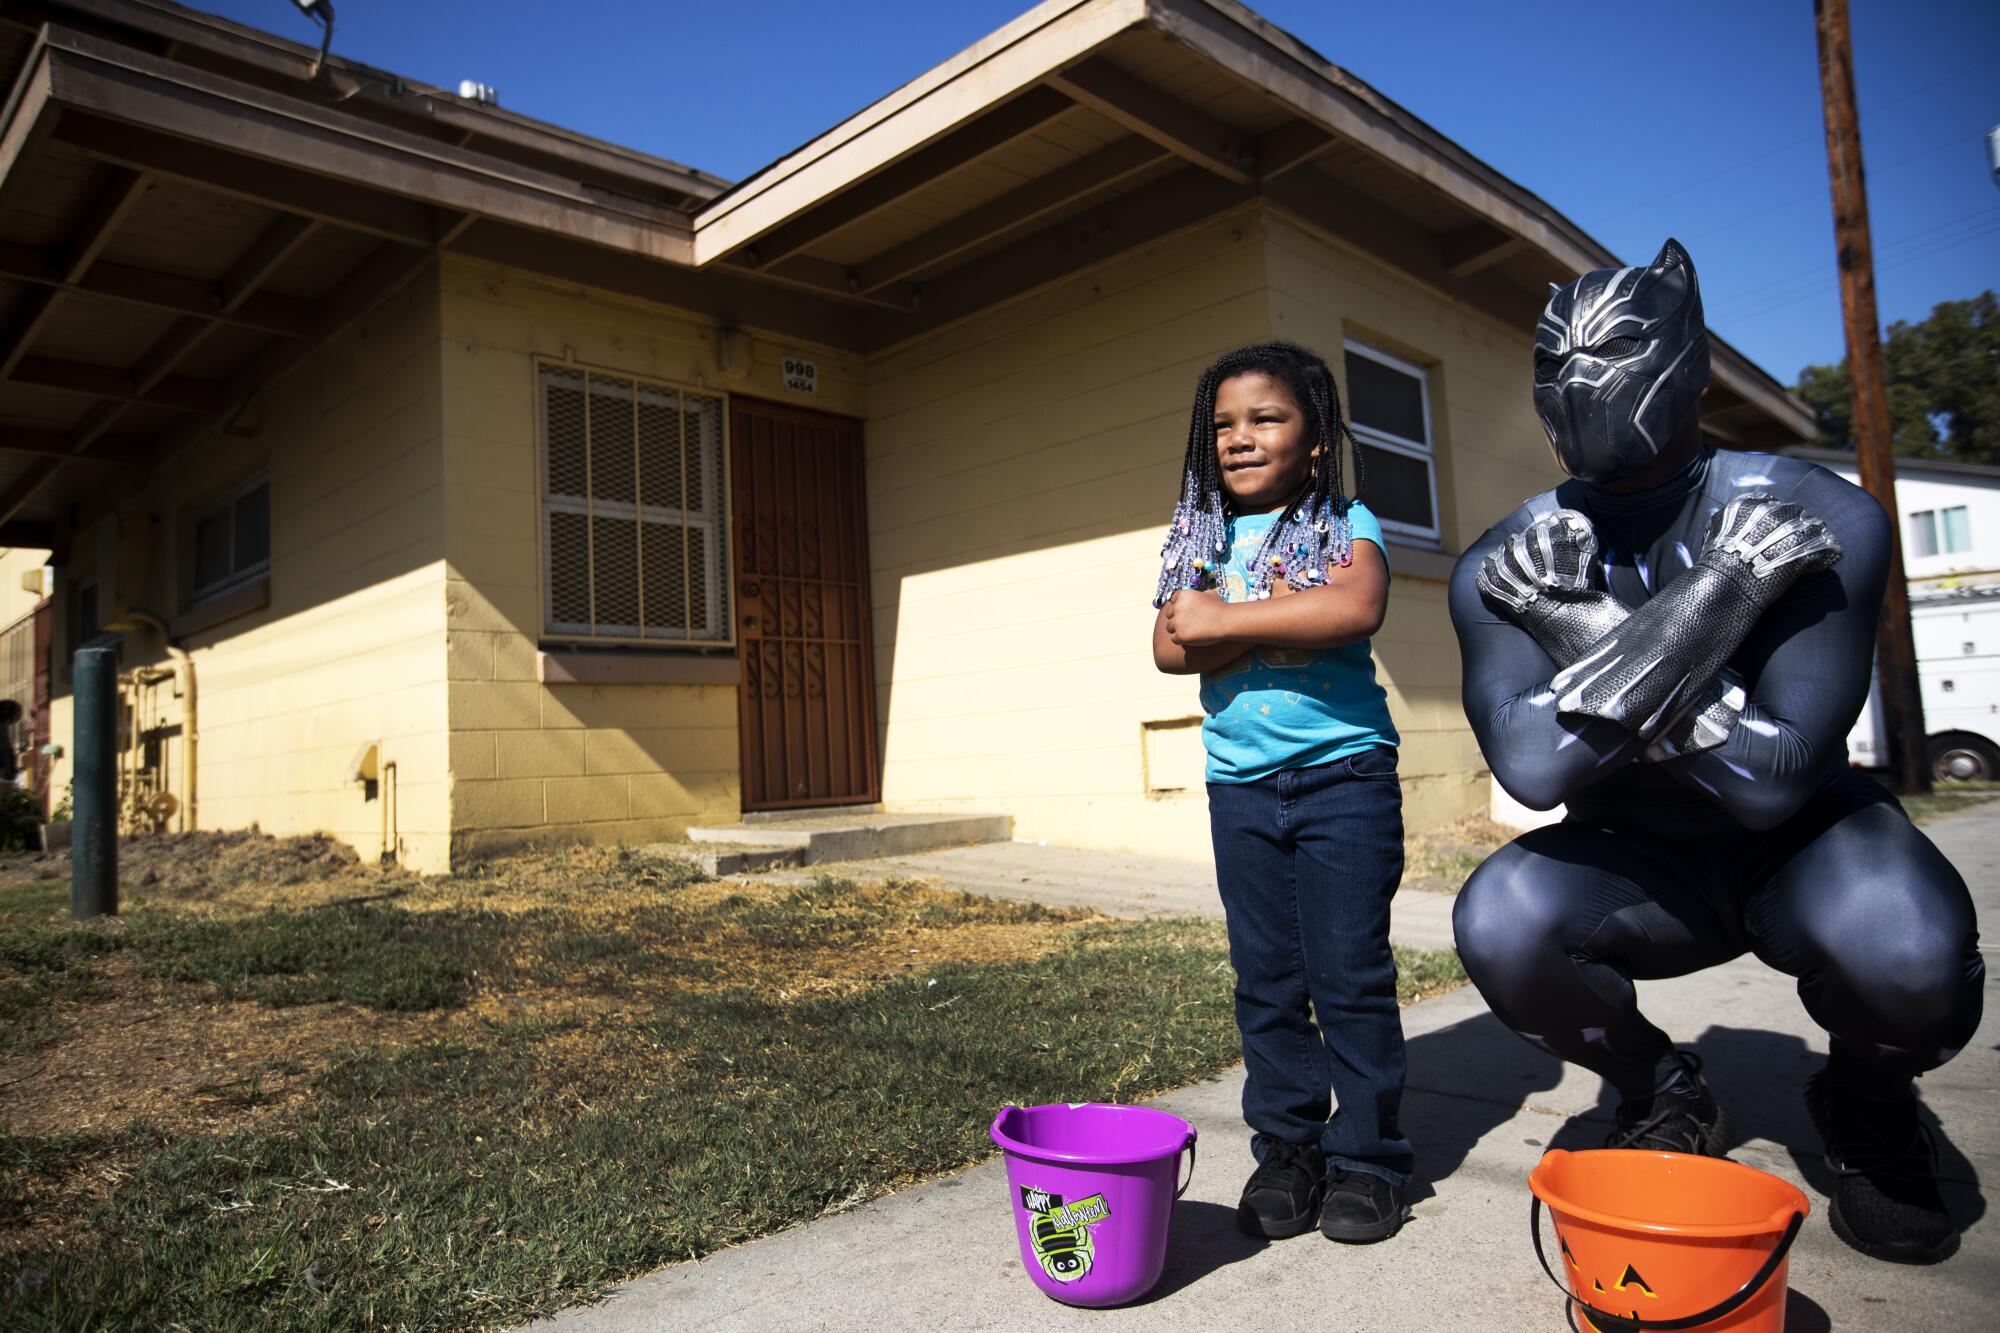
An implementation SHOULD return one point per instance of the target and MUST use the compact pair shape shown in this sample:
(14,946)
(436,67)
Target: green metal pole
(93,883)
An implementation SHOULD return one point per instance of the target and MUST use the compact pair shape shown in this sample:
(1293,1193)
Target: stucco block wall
(1020,468)
(351,647)
(16,563)
(599,763)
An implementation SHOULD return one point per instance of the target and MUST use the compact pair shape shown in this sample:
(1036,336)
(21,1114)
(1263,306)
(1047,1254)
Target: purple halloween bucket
(1093,1189)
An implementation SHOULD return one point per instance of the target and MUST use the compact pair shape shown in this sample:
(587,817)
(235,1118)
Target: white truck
(1958,667)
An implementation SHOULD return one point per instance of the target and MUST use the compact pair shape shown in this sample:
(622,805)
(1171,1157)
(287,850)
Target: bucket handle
(1189,1146)
(1616,1323)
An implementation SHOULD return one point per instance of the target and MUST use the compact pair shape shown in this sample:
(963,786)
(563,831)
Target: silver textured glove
(1540,577)
(1650,671)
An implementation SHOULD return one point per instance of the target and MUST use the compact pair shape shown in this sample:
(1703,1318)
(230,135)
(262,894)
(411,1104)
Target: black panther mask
(1621,358)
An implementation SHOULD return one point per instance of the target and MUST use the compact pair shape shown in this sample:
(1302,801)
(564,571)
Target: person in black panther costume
(1674,643)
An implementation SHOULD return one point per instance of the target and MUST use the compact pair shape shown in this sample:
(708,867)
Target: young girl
(1273,581)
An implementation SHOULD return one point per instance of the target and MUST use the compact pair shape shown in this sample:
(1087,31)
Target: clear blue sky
(1699,119)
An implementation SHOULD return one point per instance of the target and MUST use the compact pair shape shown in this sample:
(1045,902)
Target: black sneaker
(1682,1117)
(1360,1208)
(1282,1197)
(1886,1202)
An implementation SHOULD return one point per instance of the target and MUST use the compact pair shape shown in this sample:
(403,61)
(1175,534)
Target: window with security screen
(634,540)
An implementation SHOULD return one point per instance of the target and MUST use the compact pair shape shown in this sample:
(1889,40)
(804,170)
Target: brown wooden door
(807,701)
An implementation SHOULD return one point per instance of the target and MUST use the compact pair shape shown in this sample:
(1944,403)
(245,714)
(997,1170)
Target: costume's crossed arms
(1658,671)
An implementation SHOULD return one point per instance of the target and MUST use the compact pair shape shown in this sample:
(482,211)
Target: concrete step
(845,836)
(722,859)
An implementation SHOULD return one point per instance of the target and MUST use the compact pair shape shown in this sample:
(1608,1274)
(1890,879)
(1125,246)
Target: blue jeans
(1307,860)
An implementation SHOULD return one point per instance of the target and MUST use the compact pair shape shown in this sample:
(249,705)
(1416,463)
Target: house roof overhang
(1180,106)
(189,207)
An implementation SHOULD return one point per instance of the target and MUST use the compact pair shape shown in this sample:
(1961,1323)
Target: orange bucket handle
(1614,1323)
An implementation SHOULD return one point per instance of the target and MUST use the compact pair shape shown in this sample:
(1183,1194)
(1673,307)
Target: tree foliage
(1943,386)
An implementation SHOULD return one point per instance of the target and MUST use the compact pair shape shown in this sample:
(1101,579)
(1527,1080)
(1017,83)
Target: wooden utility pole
(1874,452)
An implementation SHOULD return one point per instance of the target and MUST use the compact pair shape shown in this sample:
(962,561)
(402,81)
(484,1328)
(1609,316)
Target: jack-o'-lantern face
(1608,1296)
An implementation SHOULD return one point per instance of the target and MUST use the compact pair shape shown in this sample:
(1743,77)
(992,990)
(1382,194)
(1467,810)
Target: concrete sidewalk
(1482,1107)
(1114,883)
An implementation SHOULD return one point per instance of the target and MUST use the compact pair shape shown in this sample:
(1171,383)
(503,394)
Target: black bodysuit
(1767,843)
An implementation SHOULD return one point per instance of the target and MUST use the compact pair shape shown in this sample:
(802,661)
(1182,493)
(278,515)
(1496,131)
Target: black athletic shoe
(1360,1208)
(1681,1118)
(1282,1197)
(1886,1202)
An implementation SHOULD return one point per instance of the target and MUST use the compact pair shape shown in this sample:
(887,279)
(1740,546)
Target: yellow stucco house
(446,479)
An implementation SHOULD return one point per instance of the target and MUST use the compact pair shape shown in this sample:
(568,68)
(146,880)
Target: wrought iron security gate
(807,699)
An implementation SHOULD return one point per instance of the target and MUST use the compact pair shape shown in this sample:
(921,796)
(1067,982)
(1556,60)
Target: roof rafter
(1017,208)
(374,280)
(1167,121)
(954,152)
(285,316)
(1476,246)
(279,242)
(173,392)
(1291,146)
(1155,209)
(267,183)
(263,257)
(87,240)
(828,279)
(56,444)
(267,130)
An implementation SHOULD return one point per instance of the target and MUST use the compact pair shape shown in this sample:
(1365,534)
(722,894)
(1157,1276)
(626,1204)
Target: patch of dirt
(239,865)
(175,1056)
(171,1055)
(1440,860)
(894,956)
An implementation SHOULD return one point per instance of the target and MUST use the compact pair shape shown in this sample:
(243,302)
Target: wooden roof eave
(150,104)
(220,45)
(1009,63)
(777,211)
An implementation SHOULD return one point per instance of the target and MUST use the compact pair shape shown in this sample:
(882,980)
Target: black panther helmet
(1621,358)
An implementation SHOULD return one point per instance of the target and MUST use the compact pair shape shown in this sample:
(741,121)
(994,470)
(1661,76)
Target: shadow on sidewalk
(1469,1079)
(1759,1078)
(1204,1238)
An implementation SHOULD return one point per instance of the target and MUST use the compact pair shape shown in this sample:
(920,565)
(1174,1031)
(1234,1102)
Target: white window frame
(236,578)
(1424,449)
(1924,525)
(718,584)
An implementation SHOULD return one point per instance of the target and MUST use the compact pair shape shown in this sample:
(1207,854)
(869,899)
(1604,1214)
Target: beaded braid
(1311,531)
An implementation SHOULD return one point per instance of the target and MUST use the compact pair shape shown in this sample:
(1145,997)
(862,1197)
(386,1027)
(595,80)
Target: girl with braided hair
(1272,581)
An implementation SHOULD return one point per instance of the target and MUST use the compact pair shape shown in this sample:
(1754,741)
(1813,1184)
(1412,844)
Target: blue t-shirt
(1276,708)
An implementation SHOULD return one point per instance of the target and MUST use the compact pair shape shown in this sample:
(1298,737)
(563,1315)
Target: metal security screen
(634,538)
(807,717)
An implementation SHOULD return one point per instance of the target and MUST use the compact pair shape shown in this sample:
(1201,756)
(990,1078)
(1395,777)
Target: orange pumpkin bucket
(1666,1240)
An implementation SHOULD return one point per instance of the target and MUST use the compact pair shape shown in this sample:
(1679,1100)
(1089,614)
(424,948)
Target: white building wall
(1921,489)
